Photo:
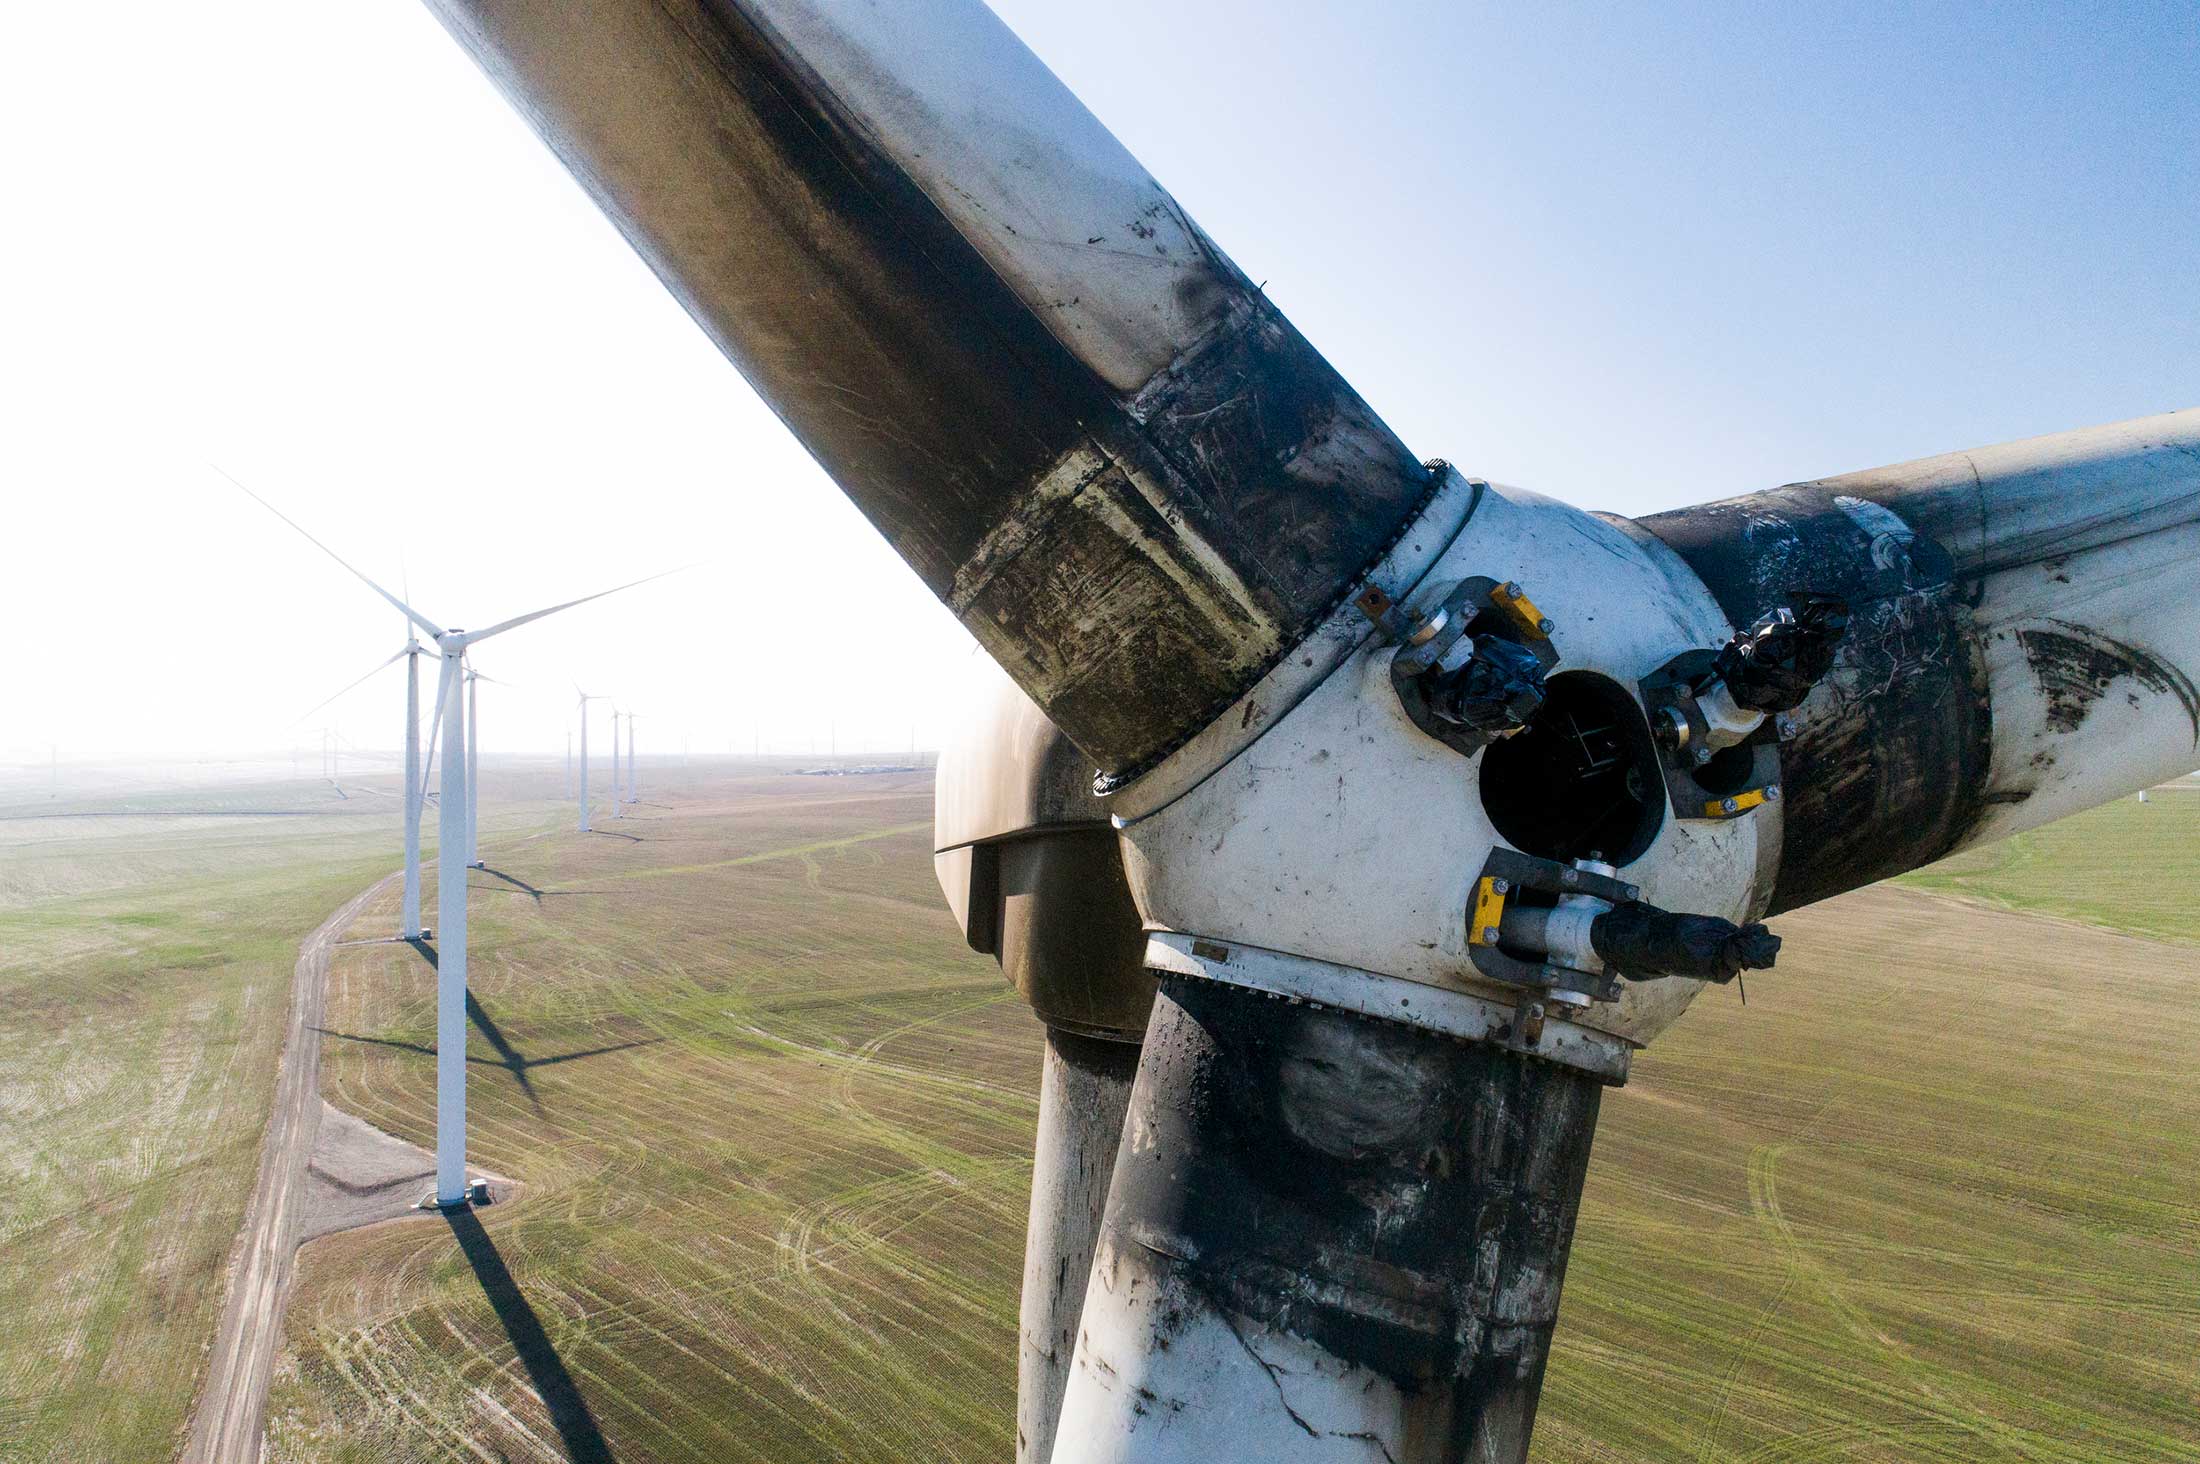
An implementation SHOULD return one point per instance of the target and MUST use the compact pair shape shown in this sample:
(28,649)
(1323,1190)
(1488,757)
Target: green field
(1927,1196)
(2127,866)
(146,948)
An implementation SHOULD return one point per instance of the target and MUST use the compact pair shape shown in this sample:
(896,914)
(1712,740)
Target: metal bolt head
(1703,755)
(1501,886)
(1569,876)
(1772,792)
(1726,805)
(1489,935)
(1546,625)
(1785,726)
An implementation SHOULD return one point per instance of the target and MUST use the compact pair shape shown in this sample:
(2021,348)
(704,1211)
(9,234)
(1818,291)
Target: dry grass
(144,967)
(1927,1197)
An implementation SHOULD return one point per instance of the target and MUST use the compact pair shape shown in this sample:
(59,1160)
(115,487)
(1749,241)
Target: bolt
(1489,935)
(1569,876)
(1633,892)
(1772,792)
(1703,755)
(1785,727)
(1512,590)
(1545,625)
(1501,886)
(1726,805)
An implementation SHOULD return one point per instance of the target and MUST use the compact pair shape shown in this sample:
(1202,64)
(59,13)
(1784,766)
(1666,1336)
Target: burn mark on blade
(2076,666)
(1888,769)
(1135,564)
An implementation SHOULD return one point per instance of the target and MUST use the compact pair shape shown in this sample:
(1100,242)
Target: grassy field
(2128,866)
(1927,1196)
(773,1120)
(146,945)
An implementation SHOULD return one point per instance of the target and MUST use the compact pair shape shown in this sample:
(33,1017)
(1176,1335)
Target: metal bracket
(1508,872)
(1699,784)
(1477,605)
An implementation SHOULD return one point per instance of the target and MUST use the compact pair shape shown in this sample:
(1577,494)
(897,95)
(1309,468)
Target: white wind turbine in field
(450,1013)
(409,927)
(618,798)
(473,763)
(633,779)
(585,699)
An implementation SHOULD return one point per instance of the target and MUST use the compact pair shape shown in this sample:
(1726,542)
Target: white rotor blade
(435,728)
(379,667)
(503,626)
(410,614)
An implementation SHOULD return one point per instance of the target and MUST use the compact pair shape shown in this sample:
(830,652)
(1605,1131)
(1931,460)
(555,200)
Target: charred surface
(1070,939)
(1404,1201)
(1888,769)
(2076,667)
(1134,564)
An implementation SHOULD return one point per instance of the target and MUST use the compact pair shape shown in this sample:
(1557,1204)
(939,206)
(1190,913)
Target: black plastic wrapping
(1641,941)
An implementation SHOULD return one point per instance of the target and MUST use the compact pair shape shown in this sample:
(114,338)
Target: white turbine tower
(473,764)
(409,927)
(450,1012)
(633,779)
(618,795)
(585,699)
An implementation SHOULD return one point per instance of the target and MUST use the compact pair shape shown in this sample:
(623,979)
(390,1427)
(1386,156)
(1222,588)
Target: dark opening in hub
(1581,779)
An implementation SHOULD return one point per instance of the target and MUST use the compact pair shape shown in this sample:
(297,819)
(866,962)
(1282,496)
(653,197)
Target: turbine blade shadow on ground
(569,1411)
(514,1064)
(507,1055)
(516,883)
(522,887)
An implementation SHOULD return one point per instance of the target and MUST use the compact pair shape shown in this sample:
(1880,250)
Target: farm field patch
(773,1122)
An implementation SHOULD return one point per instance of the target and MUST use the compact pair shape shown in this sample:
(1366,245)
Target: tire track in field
(226,1421)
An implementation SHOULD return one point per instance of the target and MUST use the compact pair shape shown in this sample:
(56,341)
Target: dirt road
(226,1426)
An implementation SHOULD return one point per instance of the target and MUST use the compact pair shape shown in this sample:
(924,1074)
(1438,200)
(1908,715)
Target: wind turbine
(633,780)
(452,829)
(473,763)
(585,699)
(1378,625)
(618,805)
(409,927)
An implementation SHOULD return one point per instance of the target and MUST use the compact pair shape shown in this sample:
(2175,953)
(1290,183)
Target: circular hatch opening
(1581,779)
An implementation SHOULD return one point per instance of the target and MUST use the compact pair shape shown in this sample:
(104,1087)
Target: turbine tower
(618,797)
(473,767)
(633,780)
(409,927)
(454,819)
(473,764)
(582,704)
(1528,777)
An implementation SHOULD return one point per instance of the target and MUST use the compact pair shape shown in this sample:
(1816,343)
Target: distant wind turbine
(450,1014)
(618,795)
(633,779)
(585,699)
(473,764)
(409,927)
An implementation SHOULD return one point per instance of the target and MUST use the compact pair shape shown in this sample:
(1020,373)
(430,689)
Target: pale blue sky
(1636,255)
(1629,255)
